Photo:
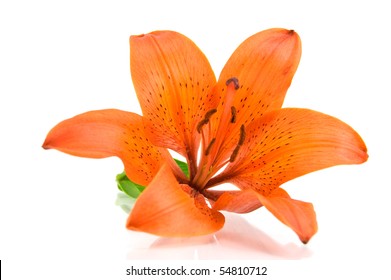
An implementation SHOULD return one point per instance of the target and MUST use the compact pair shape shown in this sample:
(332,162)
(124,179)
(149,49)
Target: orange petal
(173,80)
(169,209)
(264,65)
(298,215)
(235,201)
(105,133)
(288,143)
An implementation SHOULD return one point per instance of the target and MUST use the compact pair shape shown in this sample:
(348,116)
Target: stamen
(205,120)
(207,151)
(210,113)
(227,117)
(242,135)
(233,80)
(234,154)
(201,124)
(233,113)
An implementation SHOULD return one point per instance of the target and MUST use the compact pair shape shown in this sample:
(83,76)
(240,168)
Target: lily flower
(231,130)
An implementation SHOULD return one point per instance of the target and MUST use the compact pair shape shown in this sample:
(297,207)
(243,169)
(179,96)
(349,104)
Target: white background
(61,58)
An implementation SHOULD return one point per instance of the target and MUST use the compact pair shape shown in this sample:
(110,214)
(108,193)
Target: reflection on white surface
(237,240)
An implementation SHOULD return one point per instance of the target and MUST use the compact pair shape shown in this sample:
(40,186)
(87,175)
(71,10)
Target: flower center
(213,153)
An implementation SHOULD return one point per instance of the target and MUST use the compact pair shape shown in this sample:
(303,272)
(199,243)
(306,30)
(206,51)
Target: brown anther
(201,124)
(207,151)
(242,135)
(233,113)
(233,80)
(205,120)
(210,113)
(234,154)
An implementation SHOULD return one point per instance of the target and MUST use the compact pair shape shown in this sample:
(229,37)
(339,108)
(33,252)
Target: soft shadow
(237,240)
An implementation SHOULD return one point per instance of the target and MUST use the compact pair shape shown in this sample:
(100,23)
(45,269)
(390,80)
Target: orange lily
(232,130)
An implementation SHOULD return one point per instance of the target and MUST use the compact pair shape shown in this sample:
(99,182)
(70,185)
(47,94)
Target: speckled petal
(105,133)
(169,209)
(288,143)
(173,81)
(264,65)
(298,215)
(235,201)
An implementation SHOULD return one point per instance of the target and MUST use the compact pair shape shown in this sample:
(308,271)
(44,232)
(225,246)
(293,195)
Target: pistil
(213,141)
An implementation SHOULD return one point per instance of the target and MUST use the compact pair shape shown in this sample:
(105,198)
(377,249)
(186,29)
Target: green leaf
(183,166)
(125,202)
(130,191)
(134,190)
(130,188)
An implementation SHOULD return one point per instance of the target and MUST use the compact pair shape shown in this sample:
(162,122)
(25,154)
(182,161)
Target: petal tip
(139,36)
(305,239)
(46,144)
(45,147)
(283,31)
